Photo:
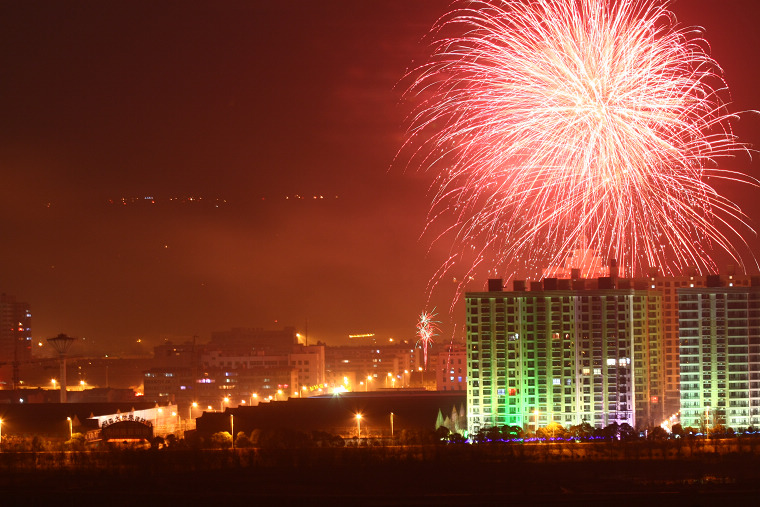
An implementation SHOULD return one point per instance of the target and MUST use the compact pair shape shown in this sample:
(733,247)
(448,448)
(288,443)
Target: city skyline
(247,103)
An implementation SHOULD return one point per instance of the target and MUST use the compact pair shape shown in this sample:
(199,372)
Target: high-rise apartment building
(15,333)
(570,351)
(669,286)
(720,353)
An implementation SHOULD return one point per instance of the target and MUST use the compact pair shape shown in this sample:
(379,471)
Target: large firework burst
(553,124)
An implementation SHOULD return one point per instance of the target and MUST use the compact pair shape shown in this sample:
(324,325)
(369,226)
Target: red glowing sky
(250,102)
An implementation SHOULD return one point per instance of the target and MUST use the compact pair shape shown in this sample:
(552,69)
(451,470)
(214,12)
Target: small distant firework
(427,328)
(557,123)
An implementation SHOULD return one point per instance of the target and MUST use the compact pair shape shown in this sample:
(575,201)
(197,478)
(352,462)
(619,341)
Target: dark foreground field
(435,475)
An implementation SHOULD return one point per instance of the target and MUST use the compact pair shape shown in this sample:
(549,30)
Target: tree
(611,431)
(657,433)
(626,432)
(456,438)
(439,420)
(171,440)
(493,434)
(157,443)
(678,431)
(482,436)
(77,442)
(221,440)
(511,432)
(583,431)
(242,440)
(551,430)
(441,434)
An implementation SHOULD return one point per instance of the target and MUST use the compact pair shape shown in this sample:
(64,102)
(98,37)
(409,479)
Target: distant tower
(61,344)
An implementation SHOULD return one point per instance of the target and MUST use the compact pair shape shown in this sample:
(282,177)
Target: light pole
(221,405)
(190,410)
(359,426)
(71,428)
(366,386)
(232,430)
(391,424)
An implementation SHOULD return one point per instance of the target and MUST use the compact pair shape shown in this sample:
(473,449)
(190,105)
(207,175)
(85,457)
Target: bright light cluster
(561,124)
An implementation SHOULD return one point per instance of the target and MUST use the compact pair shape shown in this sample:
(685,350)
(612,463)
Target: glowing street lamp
(226,399)
(71,428)
(190,410)
(54,382)
(232,430)
(366,386)
(254,397)
(359,425)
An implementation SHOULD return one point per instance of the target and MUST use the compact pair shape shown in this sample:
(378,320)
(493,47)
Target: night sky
(243,104)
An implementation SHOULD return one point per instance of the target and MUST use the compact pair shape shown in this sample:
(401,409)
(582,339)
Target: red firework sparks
(427,328)
(553,124)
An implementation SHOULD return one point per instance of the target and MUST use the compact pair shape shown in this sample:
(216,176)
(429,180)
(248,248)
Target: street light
(226,399)
(232,430)
(391,424)
(366,386)
(71,428)
(190,410)
(359,426)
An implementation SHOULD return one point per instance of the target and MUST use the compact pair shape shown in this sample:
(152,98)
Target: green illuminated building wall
(563,352)
(720,355)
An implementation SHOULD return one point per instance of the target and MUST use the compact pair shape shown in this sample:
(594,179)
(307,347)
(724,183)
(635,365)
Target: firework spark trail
(427,328)
(553,123)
